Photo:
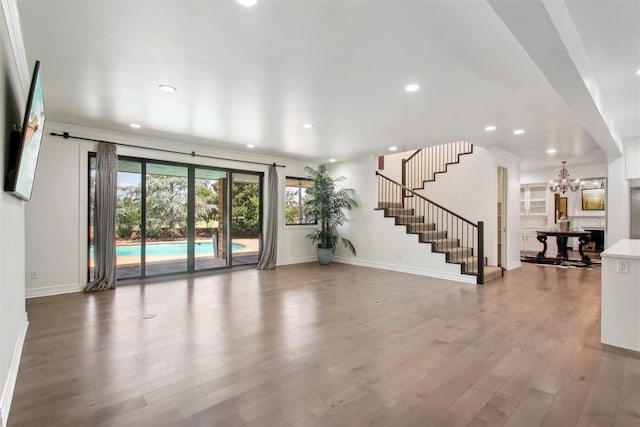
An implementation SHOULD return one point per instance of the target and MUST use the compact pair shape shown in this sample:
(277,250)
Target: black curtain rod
(66,135)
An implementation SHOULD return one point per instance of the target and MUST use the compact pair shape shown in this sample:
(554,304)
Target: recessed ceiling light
(394,148)
(247,3)
(251,146)
(413,87)
(518,131)
(332,160)
(638,73)
(134,125)
(167,88)
(490,128)
(551,150)
(307,125)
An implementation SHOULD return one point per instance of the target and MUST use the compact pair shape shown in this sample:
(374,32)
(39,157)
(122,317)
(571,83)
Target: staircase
(461,240)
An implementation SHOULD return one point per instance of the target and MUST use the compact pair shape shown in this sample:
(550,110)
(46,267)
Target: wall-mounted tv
(25,143)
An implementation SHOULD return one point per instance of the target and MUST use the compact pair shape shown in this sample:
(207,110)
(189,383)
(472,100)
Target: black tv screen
(25,143)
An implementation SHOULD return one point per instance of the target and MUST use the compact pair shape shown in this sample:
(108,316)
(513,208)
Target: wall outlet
(623,267)
(34,274)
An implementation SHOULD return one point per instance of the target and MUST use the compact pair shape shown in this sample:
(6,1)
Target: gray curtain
(269,250)
(105,219)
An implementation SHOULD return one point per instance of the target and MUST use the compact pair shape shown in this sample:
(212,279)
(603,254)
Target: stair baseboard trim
(407,269)
(298,260)
(513,265)
(47,291)
(12,375)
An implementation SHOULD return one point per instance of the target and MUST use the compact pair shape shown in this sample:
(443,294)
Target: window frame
(299,201)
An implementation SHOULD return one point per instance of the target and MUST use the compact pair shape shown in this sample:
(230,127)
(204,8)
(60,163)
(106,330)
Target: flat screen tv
(25,143)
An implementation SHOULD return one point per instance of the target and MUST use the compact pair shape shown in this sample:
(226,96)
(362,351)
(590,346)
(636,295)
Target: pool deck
(251,246)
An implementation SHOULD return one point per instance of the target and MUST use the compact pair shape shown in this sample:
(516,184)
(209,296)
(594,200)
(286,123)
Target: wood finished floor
(340,345)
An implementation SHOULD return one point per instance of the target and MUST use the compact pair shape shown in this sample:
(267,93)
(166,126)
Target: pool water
(158,249)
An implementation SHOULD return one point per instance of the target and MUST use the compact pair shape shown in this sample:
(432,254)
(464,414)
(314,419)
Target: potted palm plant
(327,206)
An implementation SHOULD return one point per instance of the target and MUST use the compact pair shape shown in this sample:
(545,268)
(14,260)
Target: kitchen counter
(624,248)
(620,284)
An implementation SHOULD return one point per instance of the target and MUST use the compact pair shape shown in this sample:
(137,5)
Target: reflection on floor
(202,263)
(573,261)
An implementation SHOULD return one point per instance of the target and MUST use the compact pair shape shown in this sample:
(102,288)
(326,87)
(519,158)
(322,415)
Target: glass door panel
(166,219)
(245,218)
(128,219)
(210,239)
(92,206)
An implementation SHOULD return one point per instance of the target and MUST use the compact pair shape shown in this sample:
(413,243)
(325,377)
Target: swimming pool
(160,249)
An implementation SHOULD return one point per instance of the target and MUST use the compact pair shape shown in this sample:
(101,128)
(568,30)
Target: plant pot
(324,255)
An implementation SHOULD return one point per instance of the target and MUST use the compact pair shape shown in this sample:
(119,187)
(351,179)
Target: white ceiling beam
(546,32)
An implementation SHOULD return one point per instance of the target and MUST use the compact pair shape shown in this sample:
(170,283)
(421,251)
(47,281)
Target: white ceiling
(256,75)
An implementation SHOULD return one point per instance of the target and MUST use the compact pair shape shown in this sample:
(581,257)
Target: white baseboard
(461,278)
(12,376)
(299,260)
(513,265)
(47,291)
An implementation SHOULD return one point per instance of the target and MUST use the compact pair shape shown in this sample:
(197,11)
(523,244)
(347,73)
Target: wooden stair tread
(492,273)
(408,219)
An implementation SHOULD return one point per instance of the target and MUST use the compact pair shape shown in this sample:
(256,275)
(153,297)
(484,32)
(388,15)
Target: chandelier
(598,183)
(563,183)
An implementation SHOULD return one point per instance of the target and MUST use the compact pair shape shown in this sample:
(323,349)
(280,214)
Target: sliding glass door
(246,190)
(181,218)
(166,219)
(209,222)
(128,219)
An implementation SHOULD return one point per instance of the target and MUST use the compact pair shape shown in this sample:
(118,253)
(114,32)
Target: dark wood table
(561,239)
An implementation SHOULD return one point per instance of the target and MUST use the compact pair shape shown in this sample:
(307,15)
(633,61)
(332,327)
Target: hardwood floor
(339,345)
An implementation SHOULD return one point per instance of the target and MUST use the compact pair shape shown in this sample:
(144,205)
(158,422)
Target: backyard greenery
(166,208)
(294,202)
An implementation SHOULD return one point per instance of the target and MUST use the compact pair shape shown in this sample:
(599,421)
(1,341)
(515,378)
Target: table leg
(584,258)
(563,253)
(543,240)
(559,244)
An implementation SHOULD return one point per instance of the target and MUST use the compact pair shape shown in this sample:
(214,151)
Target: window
(296,195)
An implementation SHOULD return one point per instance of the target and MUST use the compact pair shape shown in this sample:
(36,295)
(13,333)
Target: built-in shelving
(533,200)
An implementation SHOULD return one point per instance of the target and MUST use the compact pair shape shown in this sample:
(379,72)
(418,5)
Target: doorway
(501,226)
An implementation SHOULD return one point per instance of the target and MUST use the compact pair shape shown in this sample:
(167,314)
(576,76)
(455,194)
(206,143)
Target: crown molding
(504,157)
(19,70)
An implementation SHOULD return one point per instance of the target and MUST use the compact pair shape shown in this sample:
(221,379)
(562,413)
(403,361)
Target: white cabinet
(529,241)
(632,161)
(533,199)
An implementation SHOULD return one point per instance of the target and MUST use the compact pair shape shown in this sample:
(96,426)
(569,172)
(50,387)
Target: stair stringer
(390,247)
(445,170)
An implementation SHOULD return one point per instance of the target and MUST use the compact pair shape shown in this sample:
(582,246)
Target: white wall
(393,165)
(13,317)
(618,219)
(378,241)
(512,212)
(56,217)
